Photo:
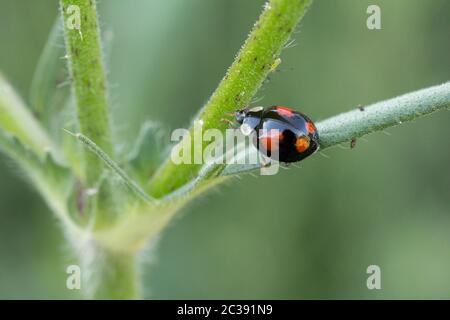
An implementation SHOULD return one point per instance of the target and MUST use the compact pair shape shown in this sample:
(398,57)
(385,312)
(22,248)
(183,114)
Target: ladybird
(281,129)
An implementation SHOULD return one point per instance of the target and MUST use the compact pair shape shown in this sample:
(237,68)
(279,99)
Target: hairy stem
(255,60)
(380,115)
(16,119)
(84,55)
(109,274)
(119,279)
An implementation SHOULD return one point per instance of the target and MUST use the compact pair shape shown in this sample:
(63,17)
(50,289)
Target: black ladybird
(292,134)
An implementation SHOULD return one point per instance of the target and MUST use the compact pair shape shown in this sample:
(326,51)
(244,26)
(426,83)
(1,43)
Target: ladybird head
(240,115)
(255,112)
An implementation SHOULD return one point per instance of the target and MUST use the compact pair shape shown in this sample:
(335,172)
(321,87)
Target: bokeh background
(307,232)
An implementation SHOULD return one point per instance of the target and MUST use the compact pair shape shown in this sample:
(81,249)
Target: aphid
(280,130)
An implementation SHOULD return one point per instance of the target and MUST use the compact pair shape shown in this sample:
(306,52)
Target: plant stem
(255,60)
(84,55)
(110,275)
(380,115)
(16,119)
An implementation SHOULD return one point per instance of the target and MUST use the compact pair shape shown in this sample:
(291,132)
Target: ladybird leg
(229,122)
(323,154)
(285,165)
(265,162)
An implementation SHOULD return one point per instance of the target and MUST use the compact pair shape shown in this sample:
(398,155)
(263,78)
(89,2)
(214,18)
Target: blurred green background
(304,233)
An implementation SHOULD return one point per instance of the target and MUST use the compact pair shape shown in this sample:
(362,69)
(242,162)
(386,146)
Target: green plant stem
(84,56)
(109,274)
(120,278)
(16,119)
(384,114)
(255,60)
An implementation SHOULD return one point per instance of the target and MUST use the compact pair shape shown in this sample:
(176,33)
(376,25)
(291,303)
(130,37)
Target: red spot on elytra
(284,111)
(270,139)
(302,144)
(311,127)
